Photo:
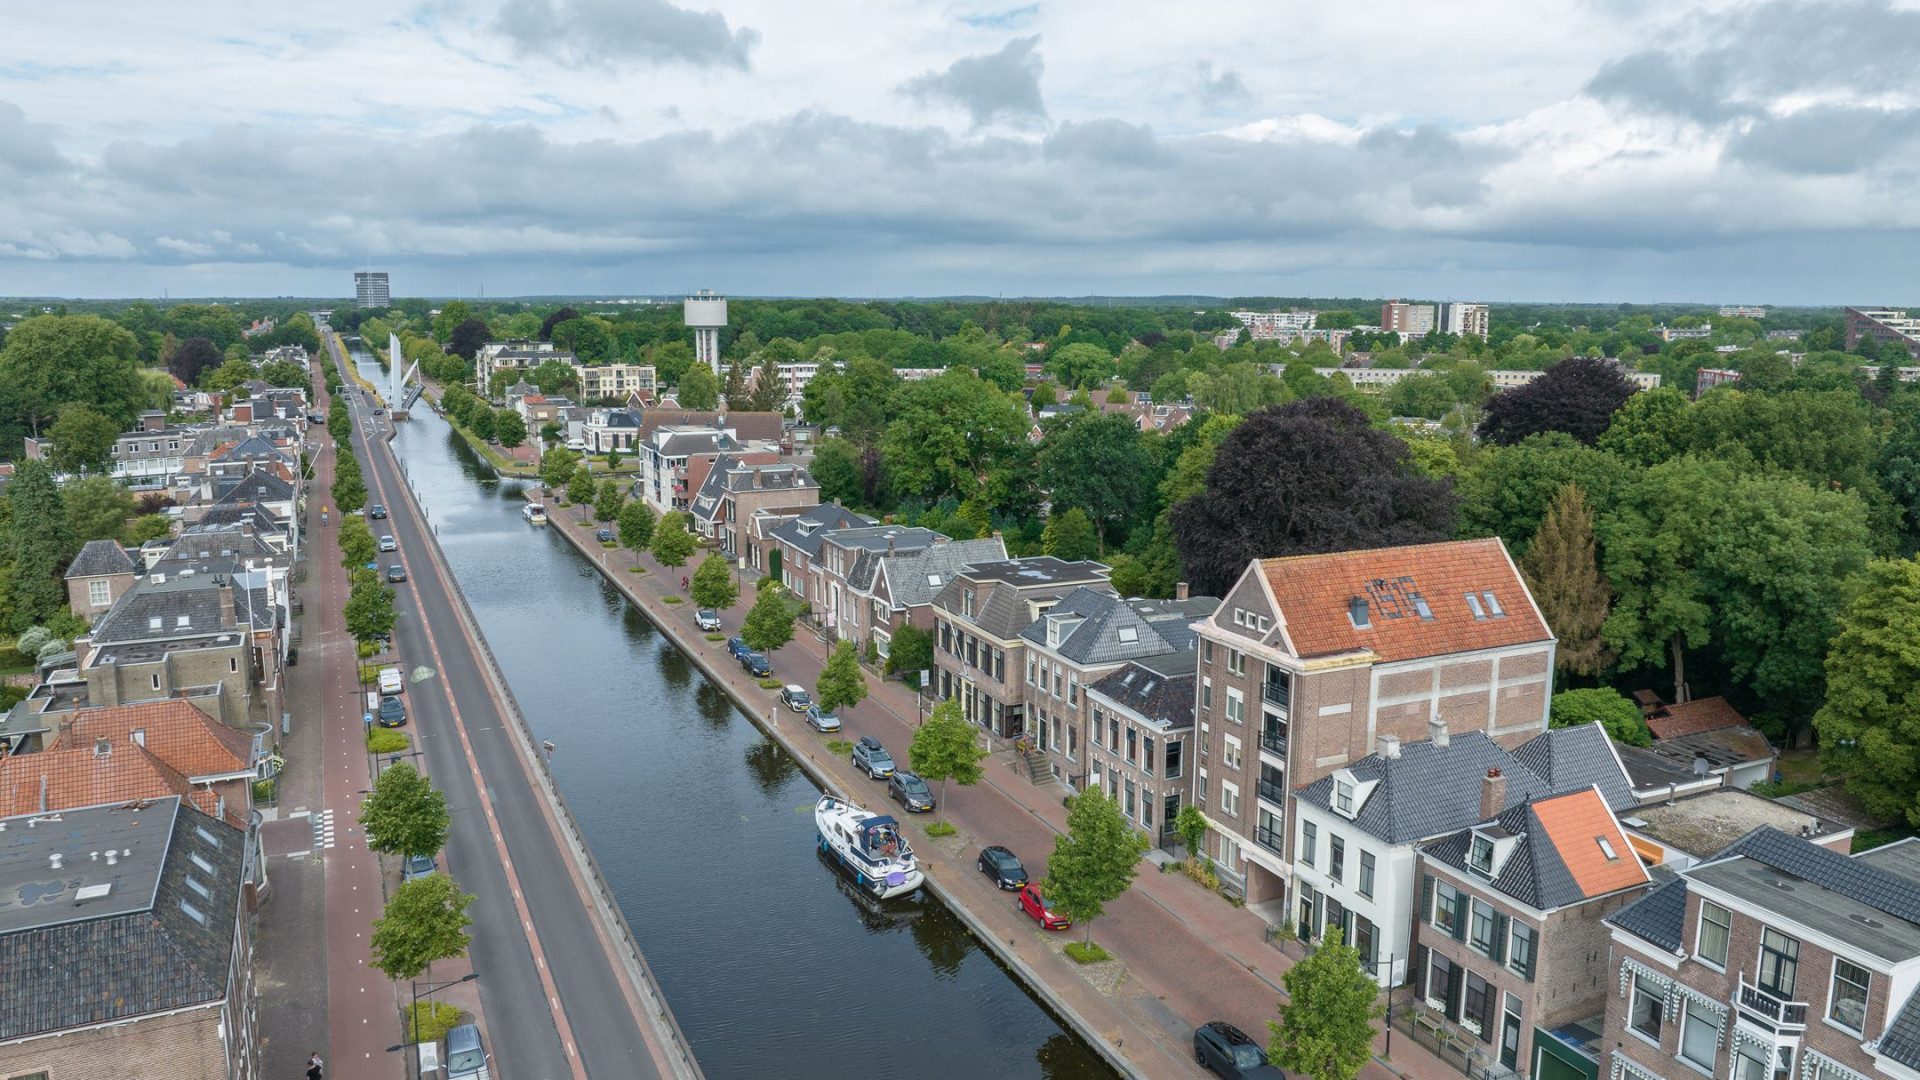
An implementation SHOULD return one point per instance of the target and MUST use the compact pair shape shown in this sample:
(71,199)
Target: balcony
(1273,793)
(1274,742)
(1274,692)
(1764,1006)
(1271,839)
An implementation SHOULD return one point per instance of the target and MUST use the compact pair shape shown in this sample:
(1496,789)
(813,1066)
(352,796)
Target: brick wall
(182,1046)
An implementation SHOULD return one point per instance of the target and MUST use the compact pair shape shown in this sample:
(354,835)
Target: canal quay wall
(804,752)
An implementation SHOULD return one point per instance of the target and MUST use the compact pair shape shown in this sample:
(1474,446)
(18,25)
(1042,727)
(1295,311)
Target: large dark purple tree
(1303,478)
(193,358)
(1578,396)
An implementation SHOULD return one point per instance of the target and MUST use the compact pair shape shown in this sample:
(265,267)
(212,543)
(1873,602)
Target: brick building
(99,575)
(1139,727)
(978,615)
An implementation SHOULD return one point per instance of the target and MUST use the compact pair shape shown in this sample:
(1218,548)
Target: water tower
(706,316)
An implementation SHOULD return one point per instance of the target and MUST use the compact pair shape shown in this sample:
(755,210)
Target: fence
(1455,1046)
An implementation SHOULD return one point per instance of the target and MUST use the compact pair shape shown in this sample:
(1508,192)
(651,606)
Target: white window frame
(1230,798)
(99,592)
(1699,931)
(1691,1013)
(1232,755)
(1833,984)
(1236,705)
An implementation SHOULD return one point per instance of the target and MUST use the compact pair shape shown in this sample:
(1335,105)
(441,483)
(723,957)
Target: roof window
(1606,848)
(1473,604)
(1493,606)
(1129,634)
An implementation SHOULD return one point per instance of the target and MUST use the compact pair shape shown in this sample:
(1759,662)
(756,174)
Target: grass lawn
(941,828)
(1800,766)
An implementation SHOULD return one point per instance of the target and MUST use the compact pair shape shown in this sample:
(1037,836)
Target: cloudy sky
(1606,150)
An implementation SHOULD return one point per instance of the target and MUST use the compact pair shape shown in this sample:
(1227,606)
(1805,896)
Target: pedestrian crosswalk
(322,830)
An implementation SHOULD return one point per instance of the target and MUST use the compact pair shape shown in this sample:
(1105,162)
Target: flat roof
(144,652)
(1704,823)
(1761,888)
(33,894)
(1036,570)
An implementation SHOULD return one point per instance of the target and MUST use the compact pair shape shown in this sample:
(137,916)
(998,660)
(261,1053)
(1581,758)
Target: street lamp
(413,1014)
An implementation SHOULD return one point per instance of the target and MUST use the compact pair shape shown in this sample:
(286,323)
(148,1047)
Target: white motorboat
(534,513)
(868,846)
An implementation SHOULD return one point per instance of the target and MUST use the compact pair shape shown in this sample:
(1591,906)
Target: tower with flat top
(706,315)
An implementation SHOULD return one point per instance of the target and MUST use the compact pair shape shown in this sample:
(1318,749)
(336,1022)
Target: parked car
(821,720)
(911,792)
(388,543)
(376,511)
(707,619)
(467,1057)
(737,647)
(756,664)
(1002,868)
(795,698)
(391,680)
(396,573)
(1227,1050)
(419,866)
(1035,905)
(872,758)
(608,536)
(393,712)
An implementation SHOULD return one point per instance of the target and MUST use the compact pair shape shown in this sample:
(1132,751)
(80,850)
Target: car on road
(1230,1052)
(1035,905)
(910,792)
(756,664)
(607,536)
(388,543)
(396,573)
(820,719)
(379,412)
(872,758)
(795,698)
(737,647)
(1002,867)
(707,619)
(393,712)
(419,866)
(376,511)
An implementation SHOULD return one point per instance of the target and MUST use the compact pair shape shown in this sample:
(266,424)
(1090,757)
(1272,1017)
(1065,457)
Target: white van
(391,681)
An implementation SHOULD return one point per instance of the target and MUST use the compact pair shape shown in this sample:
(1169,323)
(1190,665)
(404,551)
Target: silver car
(820,720)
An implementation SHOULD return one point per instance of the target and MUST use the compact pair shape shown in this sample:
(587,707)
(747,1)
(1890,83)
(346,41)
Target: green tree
(842,684)
(1069,535)
(557,466)
(953,435)
(1192,826)
(769,622)
(97,508)
(510,428)
(283,373)
(56,360)
(636,527)
(698,388)
(149,527)
(228,375)
(1098,464)
(769,388)
(713,584)
(406,815)
(734,388)
(1506,490)
(1325,1030)
(580,489)
(910,652)
(836,468)
(1080,364)
(1608,707)
(451,316)
(349,491)
(1650,428)
(357,546)
(672,543)
(1870,724)
(425,920)
(480,422)
(1563,573)
(83,439)
(945,748)
(1095,861)
(608,500)
(369,612)
(43,543)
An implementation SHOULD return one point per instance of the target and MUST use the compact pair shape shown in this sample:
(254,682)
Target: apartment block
(1412,320)
(1466,320)
(1887,326)
(1138,737)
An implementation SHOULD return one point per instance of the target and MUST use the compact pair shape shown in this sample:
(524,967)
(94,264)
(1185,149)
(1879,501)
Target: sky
(1579,150)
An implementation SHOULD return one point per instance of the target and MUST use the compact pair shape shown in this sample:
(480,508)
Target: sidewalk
(1189,955)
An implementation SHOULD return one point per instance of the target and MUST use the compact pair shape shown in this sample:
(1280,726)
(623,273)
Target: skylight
(1606,848)
(1129,633)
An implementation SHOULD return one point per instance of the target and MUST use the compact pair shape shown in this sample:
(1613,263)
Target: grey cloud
(1226,88)
(30,150)
(1826,140)
(615,33)
(1444,173)
(1657,82)
(1105,142)
(995,86)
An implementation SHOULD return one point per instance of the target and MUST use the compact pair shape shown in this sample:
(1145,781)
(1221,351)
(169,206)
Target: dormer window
(1343,797)
(1129,634)
(1480,858)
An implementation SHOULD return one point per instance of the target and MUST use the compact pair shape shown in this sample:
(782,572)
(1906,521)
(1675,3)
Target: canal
(774,965)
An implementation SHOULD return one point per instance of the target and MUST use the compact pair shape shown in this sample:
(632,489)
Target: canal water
(773,963)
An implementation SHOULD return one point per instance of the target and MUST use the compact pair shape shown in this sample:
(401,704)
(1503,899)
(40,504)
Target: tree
(1325,1030)
(467,338)
(713,584)
(672,543)
(406,815)
(769,622)
(452,315)
(1650,428)
(56,360)
(149,527)
(510,428)
(357,546)
(945,748)
(82,439)
(1602,705)
(1303,478)
(1563,573)
(953,435)
(580,488)
(557,466)
(842,684)
(1079,365)
(349,490)
(426,920)
(734,388)
(608,500)
(1870,724)
(565,314)
(1069,535)
(1578,396)
(480,422)
(1100,465)
(698,388)
(43,543)
(235,371)
(1506,490)
(369,612)
(1095,861)
(910,652)
(836,468)
(769,388)
(1192,826)
(636,527)
(97,508)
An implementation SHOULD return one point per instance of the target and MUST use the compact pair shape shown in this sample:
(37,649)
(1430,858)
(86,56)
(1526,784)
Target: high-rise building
(1743,311)
(1412,319)
(1466,320)
(1884,325)
(705,314)
(1274,325)
(370,288)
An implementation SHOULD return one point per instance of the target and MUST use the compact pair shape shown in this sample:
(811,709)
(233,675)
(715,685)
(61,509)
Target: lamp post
(413,1014)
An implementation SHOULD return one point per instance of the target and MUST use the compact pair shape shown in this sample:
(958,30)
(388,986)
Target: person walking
(316,1069)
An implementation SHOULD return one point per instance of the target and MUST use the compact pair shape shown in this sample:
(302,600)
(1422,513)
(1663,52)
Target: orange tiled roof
(175,732)
(70,779)
(1576,823)
(1693,717)
(1315,592)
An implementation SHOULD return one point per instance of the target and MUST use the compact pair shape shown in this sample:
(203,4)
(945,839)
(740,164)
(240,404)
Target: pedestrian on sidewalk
(316,1069)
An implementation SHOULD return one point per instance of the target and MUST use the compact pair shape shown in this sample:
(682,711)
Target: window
(1699,1037)
(1477,1015)
(1779,963)
(1480,935)
(1132,742)
(1128,634)
(1130,804)
(1336,858)
(1446,909)
(1200,789)
(1442,978)
(1716,925)
(1309,842)
(1366,874)
(1174,750)
(1236,662)
(1481,857)
(156,681)
(1206,694)
(1236,705)
(99,593)
(1206,740)
(1644,1015)
(1146,753)
(1029,671)
(1206,651)
(1343,797)
(1229,798)
(1073,740)
(1073,689)
(1520,950)
(1231,756)
(1847,1005)
(1113,733)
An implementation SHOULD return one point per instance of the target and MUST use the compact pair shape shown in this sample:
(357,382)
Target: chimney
(226,605)
(153,420)
(1390,747)
(1180,590)
(1437,731)
(1493,794)
(889,545)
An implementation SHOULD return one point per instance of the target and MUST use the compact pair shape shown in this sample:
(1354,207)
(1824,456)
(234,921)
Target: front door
(1510,1034)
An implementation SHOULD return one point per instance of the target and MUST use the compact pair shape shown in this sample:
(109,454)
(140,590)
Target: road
(557,1003)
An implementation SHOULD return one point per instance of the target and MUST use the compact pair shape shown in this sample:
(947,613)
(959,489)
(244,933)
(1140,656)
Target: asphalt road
(555,1005)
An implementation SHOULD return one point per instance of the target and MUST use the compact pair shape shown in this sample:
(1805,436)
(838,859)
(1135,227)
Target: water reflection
(771,766)
(944,941)
(878,916)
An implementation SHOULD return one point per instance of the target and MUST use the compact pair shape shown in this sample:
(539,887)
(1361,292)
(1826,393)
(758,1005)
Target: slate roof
(130,618)
(1651,772)
(1002,610)
(1429,790)
(99,558)
(686,443)
(1722,747)
(258,485)
(1158,688)
(252,448)
(1557,860)
(1576,757)
(806,531)
(1659,917)
(1113,630)
(1901,1040)
(1315,593)
(1689,717)
(914,577)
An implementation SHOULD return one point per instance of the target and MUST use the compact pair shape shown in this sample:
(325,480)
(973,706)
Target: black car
(911,792)
(393,712)
(756,664)
(1002,868)
(396,573)
(1228,1051)
(737,647)
(607,536)
(376,511)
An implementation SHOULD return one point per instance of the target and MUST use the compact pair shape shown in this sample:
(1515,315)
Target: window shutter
(1499,937)
(1488,992)
(1418,976)
(1426,899)
(1462,908)
(1454,973)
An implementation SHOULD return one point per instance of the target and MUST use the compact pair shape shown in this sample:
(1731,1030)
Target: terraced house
(978,616)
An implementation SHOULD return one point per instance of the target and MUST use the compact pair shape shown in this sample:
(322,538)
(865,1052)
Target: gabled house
(892,589)
(218,763)
(794,557)
(978,652)
(1146,707)
(738,487)
(611,429)
(98,576)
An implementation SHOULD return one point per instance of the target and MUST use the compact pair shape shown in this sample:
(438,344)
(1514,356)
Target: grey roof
(1784,879)
(914,577)
(1000,612)
(99,558)
(1659,917)
(1533,874)
(1576,757)
(1114,630)
(1856,879)
(258,485)
(1158,688)
(805,531)
(1037,571)
(686,443)
(1649,771)
(138,949)
(1429,790)
(1901,1040)
(253,448)
(132,617)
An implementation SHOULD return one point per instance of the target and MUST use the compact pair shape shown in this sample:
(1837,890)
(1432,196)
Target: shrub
(263,791)
(433,1019)
(672,600)
(387,741)
(770,684)
(1086,952)
(941,828)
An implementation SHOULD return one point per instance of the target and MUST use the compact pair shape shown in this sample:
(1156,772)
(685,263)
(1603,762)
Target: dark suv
(1230,1052)
(911,792)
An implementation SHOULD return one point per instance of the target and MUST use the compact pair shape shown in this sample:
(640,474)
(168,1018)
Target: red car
(1035,905)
